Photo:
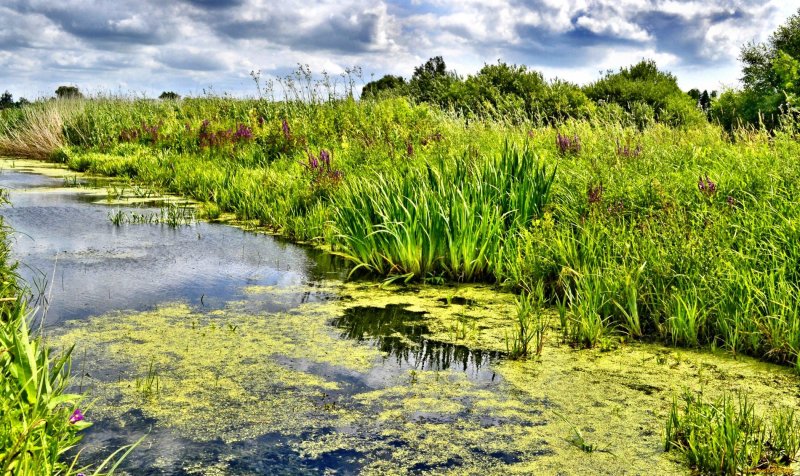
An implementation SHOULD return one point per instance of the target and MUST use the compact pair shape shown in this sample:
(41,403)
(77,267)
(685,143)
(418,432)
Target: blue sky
(143,47)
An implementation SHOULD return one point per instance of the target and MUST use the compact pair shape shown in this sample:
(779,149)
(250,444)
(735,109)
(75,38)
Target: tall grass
(38,133)
(727,435)
(448,218)
(686,235)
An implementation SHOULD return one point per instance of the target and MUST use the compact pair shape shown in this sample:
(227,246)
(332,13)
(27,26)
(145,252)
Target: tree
(388,85)
(68,92)
(771,80)
(169,96)
(6,100)
(704,101)
(643,89)
(431,82)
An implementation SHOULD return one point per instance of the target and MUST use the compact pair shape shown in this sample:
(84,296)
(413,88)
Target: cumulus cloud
(187,45)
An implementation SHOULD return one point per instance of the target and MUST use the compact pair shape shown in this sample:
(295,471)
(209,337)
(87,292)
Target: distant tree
(431,82)
(21,102)
(704,101)
(433,67)
(771,80)
(68,92)
(642,89)
(503,89)
(169,96)
(6,100)
(694,94)
(388,85)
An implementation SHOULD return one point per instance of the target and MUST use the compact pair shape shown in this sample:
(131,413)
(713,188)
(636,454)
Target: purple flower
(286,133)
(243,133)
(568,145)
(731,201)
(706,186)
(595,194)
(325,158)
(76,416)
(409,149)
(260,121)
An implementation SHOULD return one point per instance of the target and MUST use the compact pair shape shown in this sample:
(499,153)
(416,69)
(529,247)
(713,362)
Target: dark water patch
(457,301)
(402,335)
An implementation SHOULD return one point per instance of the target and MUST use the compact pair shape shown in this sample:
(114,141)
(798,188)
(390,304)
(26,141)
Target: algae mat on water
(236,374)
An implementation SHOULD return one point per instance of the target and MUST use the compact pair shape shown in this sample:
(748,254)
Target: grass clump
(727,436)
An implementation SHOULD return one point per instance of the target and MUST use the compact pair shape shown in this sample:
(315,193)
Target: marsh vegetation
(618,215)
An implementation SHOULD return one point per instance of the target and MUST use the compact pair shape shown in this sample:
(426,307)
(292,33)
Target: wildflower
(76,416)
(243,133)
(595,194)
(261,121)
(286,133)
(567,145)
(409,149)
(706,186)
(731,201)
(325,158)
(628,151)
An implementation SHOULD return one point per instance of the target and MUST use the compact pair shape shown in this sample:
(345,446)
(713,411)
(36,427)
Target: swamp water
(236,353)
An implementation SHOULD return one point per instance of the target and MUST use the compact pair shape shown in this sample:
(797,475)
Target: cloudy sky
(188,46)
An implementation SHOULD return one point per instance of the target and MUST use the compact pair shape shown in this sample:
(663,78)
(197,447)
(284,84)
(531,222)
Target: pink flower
(76,416)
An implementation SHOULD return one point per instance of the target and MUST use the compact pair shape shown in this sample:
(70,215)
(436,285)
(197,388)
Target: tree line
(640,93)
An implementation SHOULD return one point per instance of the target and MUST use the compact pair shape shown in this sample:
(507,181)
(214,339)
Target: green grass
(727,435)
(630,245)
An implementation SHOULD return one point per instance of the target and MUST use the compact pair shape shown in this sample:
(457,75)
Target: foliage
(386,86)
(771,79)
(169,96)
(728,436)
(6,100)
(647,93)
(68,92)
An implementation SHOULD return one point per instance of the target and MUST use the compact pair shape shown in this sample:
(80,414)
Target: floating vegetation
(232,377)
(172,215)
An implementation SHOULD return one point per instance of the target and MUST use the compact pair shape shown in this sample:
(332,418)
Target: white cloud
(157,45)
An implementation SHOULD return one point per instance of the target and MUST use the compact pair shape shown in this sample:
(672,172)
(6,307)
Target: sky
(194,47)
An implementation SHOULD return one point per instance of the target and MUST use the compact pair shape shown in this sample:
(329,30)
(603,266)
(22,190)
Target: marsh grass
(628,243)
(39,132)
(728,436)
(172,215)
(530,326)
(149,385)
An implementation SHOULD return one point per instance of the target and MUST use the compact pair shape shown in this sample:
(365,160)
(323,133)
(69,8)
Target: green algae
(217,377)
(236,375)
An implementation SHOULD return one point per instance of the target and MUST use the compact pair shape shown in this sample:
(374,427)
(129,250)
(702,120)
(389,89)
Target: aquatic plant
(530,325)
(727,435)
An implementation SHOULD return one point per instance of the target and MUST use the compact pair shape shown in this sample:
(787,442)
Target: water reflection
(85,265)
(401,334)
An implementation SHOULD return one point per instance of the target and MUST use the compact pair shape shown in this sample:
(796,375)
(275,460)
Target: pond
(236,352)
